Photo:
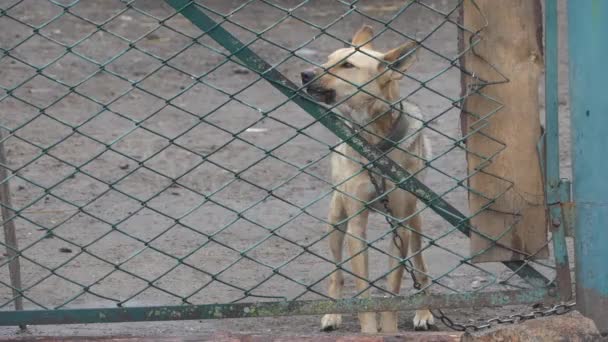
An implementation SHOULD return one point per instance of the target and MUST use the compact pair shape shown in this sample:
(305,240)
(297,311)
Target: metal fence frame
(587,27)
(545,290)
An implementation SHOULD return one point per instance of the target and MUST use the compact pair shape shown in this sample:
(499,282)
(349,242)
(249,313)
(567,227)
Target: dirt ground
(155,159)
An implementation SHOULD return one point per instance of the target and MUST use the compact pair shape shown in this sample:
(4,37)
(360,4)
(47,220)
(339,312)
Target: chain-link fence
(158,155)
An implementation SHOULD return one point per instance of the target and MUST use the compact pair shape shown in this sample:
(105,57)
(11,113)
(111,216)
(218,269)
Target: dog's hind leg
(336,241)
(424,318)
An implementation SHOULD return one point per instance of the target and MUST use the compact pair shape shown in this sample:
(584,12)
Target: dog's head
(349,69)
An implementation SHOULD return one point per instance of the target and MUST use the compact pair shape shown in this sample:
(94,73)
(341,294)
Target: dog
(363,81)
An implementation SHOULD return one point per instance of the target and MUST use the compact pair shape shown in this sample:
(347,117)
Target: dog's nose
(307,76)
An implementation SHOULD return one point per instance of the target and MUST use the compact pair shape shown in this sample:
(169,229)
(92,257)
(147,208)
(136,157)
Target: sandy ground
(155,159)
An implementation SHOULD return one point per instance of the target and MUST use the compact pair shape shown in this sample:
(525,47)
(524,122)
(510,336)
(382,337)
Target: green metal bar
(588,48)
(332,121)
(265,309)
(565,191)
(552,177)
(10,235)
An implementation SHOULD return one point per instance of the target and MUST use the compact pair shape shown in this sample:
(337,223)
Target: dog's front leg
(336,240)
(398,247)
(423,319)
(357,246)
(404,206)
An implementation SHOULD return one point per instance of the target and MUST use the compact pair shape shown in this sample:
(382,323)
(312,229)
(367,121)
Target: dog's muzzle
(317,92)
(327,96)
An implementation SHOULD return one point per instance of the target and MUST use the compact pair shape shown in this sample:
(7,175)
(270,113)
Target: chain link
(166,142)
(557,309)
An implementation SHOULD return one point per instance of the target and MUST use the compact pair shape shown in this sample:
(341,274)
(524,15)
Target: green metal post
(588,29)
(553,181)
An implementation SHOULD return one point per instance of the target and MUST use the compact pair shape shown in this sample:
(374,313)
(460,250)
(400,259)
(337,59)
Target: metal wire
(90,52)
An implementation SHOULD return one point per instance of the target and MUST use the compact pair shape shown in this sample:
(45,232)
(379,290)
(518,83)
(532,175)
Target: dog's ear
(400,59)
(363,36)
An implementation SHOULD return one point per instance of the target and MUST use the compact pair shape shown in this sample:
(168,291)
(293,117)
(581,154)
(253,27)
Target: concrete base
(571,327)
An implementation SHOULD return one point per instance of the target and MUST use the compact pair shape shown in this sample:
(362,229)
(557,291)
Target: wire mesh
(152,164)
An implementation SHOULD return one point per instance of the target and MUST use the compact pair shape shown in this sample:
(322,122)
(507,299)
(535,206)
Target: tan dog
(361,69)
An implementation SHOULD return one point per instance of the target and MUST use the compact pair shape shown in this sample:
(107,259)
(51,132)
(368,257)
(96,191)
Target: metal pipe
(552,176)
(10,237)
(277,308)
(588,48)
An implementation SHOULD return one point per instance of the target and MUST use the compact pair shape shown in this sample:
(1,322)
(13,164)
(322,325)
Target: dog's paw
(330,322)
(423,320)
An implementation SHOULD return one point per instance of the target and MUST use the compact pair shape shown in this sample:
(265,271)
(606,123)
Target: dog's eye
(347,65)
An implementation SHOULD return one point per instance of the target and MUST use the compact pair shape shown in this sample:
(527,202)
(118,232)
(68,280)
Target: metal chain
(380,189)
(557,309)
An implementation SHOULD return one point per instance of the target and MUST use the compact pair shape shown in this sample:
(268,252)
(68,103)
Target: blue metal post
(588,51)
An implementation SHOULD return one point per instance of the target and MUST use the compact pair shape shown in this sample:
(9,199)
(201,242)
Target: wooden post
(507,192)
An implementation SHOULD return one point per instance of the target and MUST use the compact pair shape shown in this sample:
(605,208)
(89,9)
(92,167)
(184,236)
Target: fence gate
(162,165)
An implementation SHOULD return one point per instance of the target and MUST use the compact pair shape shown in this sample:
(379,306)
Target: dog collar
(396,134)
